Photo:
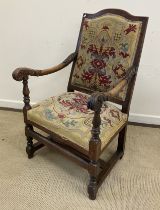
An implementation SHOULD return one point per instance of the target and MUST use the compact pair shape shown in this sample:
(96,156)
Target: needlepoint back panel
(107,48)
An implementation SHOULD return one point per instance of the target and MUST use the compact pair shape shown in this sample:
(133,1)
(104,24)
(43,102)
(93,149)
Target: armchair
(82,122)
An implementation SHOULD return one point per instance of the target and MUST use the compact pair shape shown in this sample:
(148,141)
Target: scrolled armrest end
(20,73)
(95,101)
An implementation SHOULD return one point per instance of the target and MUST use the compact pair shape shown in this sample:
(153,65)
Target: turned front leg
(94,153)
(93,168)
(27,106)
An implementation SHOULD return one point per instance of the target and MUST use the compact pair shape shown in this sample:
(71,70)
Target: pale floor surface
(50,181)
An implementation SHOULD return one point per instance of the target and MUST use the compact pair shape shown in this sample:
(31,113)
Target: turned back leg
(122,140)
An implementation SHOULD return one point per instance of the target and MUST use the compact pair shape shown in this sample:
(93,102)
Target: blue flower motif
(71,123)
(48,114)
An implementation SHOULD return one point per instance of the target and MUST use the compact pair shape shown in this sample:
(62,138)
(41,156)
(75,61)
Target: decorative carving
(92,162)
(70,58)
(95,103)
(26,97)
(30,148)
(131,72)
(20,73)
(96,100)
(27,106)
(92,188)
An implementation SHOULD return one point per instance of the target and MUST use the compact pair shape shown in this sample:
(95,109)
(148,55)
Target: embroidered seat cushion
(67,115)
(107,49)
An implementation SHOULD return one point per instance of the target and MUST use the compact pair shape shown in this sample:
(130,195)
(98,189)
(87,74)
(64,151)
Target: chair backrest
(110,42)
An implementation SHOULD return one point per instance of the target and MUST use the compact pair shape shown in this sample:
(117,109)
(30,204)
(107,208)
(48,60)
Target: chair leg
(30,148)
(121,141)
(92,187)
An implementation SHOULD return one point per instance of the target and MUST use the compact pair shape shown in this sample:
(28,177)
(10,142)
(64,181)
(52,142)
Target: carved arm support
(95,103)
(20,73)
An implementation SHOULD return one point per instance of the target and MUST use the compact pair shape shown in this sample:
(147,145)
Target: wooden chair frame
(90,160)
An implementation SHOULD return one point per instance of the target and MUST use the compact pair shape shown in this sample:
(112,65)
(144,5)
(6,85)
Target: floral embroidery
(119,71)
(130,28)
(107,49)
(108,52)
(61,116)
(80,61)
(83,44)
(87,76)
(76,125)
(77,103)
(115,114)
(117,36)
(104,80)
(70,123)
(48,114)
(98,63)
(124,50)
(106,121)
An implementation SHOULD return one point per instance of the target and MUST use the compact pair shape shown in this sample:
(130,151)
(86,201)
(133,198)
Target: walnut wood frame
(90,160)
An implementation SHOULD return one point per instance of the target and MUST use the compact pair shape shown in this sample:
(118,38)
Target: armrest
(96,99)
(20,73)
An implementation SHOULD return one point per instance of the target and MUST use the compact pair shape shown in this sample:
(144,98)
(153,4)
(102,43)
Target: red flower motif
(77,103)
(124,54)
(92,49)
(110,51)
(66,103)
(130,28)
(104,80)
(115,114)
(107,121)
(61,116)
(87,76)
(98,64)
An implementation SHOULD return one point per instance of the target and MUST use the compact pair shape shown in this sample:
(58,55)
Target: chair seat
(67,115)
